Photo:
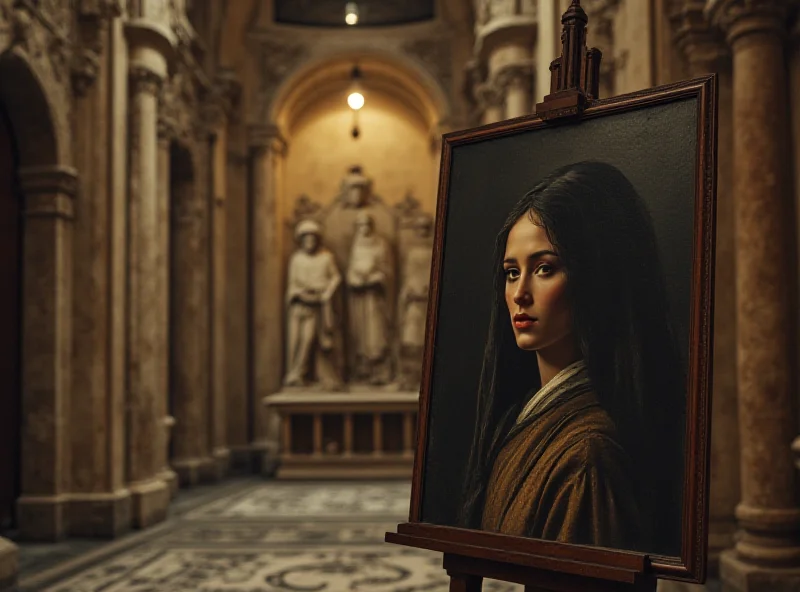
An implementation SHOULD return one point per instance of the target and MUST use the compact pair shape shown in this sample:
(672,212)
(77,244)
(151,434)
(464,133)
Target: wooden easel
(467,574)
(574,85)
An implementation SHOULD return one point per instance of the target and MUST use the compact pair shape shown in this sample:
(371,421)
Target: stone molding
(144,80)
(740,18)
(49,191)
(489,94)
(696,37)
(49,179)
(515,75)
(266,137)
(92,25)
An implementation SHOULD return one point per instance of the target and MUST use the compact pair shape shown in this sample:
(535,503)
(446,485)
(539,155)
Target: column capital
(49,179)
(740,18)
(701,43)
(144,79)
(266,137)
(489,94)
(49,191)
(515,74)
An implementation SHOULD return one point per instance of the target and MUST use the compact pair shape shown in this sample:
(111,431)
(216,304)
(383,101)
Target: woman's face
(535,291)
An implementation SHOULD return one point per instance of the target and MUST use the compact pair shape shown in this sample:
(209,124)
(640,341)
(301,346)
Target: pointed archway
(45,190)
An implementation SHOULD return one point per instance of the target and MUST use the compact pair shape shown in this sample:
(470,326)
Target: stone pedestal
(150,495)
(267,297)
(346,435)
(46,350)
(767,551)
(9,565)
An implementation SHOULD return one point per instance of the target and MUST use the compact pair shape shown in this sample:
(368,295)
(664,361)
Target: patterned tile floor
(253,536)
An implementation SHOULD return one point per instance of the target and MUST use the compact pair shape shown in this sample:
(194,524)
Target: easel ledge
(467,565)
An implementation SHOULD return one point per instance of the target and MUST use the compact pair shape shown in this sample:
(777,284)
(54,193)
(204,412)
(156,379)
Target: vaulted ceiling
(371,13)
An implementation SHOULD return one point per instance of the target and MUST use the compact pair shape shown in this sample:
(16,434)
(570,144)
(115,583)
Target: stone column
(491,100)
(767,554)
(706,52)
(190,333)
(516,80)
(601,36)
(267,152)
(46,349)
(100,504)
(548,46)
(166,132)
(145,415)
(216,114)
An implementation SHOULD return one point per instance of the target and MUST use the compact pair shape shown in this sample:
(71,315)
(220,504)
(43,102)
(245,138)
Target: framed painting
(565,405)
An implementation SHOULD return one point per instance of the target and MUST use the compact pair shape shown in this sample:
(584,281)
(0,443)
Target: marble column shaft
(517,83)
(99,501)
(164,136)
(267,150)
(190,277)
(219,427)
(768,515)
(49,192)
(145,413)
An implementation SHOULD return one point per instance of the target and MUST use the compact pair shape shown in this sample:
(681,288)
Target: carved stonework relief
(436,55)
(275,59)
(357,290)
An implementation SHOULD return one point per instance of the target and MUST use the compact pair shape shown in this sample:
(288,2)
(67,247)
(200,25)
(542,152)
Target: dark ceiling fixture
(370,13)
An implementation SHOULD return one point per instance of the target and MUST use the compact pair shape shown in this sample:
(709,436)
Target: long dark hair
(604,236)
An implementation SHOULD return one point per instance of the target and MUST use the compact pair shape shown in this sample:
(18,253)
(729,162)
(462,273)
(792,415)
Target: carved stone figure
(413,304)
(313,279)
(368,277)
(356,188)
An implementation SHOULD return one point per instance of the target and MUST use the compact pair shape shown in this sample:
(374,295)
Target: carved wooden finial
(575,76)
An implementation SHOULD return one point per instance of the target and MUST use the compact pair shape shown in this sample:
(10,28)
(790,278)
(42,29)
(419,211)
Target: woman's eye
(512,273)
(544,269)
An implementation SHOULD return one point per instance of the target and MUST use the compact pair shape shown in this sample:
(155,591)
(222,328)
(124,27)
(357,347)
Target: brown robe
(562,476)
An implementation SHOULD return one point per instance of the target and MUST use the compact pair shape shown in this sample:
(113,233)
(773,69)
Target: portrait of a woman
(581,402)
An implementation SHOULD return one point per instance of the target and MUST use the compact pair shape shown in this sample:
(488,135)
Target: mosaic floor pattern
(265,537)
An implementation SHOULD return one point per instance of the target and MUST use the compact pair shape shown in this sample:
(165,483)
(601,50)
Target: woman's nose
(522,296)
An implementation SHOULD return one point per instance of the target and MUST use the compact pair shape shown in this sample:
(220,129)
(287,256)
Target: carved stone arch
(47,187)
(29,108)
(412,75)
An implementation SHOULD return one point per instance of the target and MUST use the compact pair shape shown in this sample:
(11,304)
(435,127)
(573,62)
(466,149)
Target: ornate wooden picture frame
(659,145)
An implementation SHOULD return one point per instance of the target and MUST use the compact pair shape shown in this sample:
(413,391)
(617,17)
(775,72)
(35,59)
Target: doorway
(10,321)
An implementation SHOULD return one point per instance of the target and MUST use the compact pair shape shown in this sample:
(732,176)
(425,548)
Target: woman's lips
(523,321)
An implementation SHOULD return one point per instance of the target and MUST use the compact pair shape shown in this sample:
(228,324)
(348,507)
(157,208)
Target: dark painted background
(655,148)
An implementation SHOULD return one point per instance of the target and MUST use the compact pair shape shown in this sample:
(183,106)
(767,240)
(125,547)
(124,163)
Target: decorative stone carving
(367,282)
(515,75)
(488,95)
(144,80)
(696,38)
(92,26)
(275,58)
(312,321)
(435,54)
(413,304)
(737,17)
(377,247)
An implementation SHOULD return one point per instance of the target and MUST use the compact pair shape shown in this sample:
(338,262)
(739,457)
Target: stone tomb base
(345,435)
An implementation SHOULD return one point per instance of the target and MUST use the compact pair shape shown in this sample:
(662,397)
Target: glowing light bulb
(351,13)
(355,100)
